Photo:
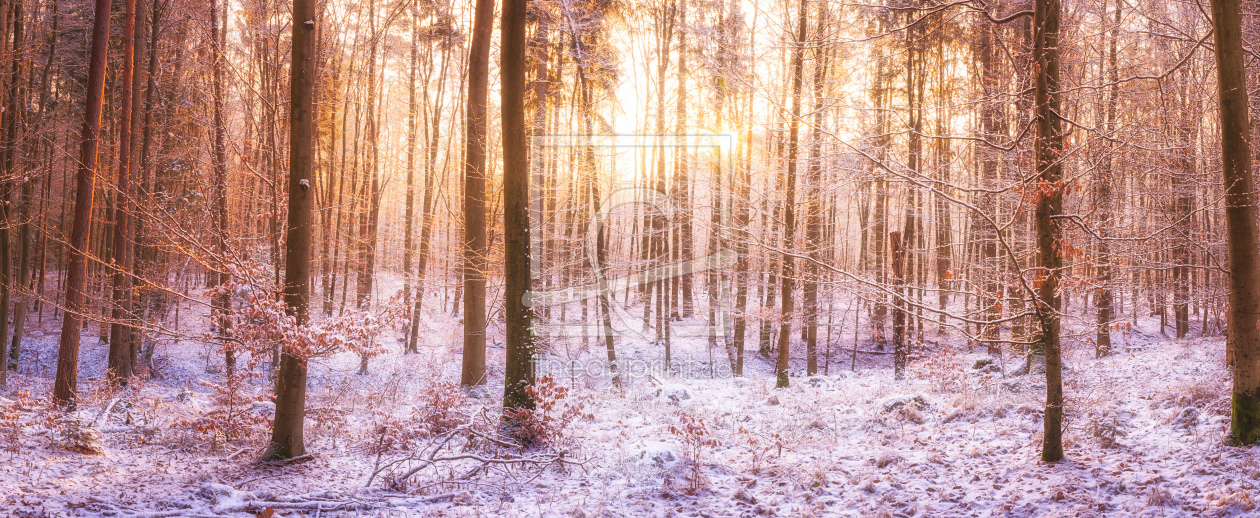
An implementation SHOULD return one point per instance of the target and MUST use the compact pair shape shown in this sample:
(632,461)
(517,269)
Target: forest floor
(1145,436)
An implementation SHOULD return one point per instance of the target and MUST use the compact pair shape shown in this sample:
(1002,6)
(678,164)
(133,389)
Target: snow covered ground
(1145,437)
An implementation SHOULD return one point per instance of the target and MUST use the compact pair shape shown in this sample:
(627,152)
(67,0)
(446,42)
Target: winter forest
(621,258)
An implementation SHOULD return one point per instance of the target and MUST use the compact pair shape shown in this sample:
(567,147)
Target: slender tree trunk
(681,284)
(474,362)
(1049,148)
(412,124)
(120,365)
(992,117)
(427,206)
(813,215)
(220,306)
(897,241)
(944,220)
(789,203)
(146,254)
(65,387)
(1103,200)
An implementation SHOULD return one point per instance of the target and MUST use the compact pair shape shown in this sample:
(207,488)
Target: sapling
(696,439)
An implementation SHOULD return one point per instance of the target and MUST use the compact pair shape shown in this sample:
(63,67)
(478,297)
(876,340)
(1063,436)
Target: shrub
(76,435)
(11,429)
(440,410)
(547,424)
(231,418)
(696,439)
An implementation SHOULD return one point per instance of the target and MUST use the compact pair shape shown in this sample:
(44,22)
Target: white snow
(1146,434)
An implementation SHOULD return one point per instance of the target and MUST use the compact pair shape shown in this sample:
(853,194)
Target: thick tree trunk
(519,371)
(286,434)
(1243,342)
(12,121)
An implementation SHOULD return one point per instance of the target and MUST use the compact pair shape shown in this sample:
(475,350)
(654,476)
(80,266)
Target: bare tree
(64,390)
(519,371)
(1240,218)
(474,366)
(1046,52)
(286,434)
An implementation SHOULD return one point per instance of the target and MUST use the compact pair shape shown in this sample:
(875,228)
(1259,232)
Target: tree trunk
(412,124)
(813,215)
(789,203)
(220,306)
(286,434)
(474,362)
(519,371)
(10,143)
(65,387)
(1103,199)
(1049,149)
(1243,342)
(992,117)
(120,366)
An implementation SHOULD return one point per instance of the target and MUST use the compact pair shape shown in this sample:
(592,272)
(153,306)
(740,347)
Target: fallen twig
(105,412)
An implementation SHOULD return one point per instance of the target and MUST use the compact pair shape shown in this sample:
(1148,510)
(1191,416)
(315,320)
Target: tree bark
(1243,341)
(519,371)
(286,435)
(1049,149)
(65,386)
(474,361)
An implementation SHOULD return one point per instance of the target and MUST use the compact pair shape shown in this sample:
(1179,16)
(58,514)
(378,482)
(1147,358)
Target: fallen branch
(105,412)
(310,506)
